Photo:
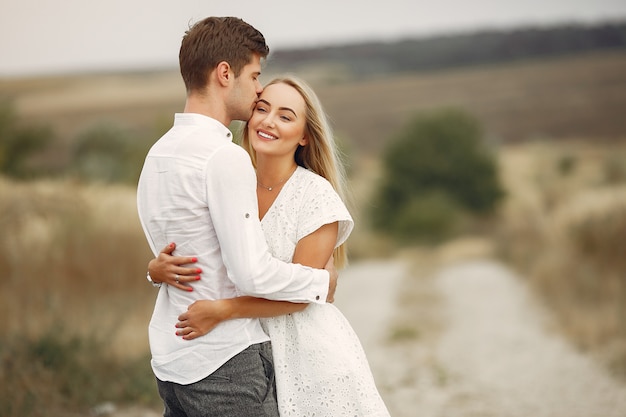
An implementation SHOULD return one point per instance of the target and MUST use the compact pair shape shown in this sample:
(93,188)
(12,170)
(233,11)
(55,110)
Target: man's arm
(231,195)
(173,270)
(201,317)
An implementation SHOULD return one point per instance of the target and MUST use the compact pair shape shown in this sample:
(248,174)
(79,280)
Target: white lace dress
(321,368)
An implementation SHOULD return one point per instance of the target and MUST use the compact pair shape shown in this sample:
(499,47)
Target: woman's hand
(201,317)
(168,269)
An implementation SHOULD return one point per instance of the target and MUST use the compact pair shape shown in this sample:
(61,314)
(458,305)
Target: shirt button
(247,215)
(317,297)
(228,135)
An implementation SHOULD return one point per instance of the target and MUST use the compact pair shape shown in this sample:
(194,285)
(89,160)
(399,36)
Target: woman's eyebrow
(280,108)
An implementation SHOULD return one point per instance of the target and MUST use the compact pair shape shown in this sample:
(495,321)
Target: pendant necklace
(276,185)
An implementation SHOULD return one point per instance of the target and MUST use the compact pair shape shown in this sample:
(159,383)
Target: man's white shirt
(198,189)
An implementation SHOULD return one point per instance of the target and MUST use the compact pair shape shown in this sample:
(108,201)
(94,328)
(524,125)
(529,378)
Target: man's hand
(167,269)
(201,317)
(332,285)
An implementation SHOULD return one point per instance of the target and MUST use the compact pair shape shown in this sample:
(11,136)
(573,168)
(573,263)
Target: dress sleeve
(322,205)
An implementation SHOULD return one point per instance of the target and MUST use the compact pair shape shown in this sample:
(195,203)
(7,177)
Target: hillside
(486,47)
(560,83)
(578,97)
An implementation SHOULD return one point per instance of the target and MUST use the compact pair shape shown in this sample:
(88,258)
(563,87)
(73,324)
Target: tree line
(457,50)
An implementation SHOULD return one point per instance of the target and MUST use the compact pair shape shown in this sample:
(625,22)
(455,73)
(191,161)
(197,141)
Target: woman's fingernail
(198,278)
(198,271)
(190,289)
(194,259)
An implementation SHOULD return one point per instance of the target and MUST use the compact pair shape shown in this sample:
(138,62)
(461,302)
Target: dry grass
(563,226)
(64,246)
(74,298)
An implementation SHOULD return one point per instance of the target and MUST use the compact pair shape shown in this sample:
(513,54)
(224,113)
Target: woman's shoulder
(313,180)
(321,204)
(314,188)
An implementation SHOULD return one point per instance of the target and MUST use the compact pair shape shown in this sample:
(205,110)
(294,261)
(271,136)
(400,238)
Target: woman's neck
(271,172)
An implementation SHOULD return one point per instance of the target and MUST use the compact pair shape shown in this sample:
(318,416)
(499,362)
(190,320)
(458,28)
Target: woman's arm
(314,250)
(169,269)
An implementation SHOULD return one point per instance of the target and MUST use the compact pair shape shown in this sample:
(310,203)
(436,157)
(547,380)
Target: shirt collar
(196,119)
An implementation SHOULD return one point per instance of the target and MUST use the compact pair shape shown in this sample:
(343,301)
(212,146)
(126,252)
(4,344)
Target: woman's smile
(265,135)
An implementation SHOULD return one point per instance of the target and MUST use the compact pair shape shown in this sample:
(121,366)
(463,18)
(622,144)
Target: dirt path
(366,294)
(480,345)
(465,340)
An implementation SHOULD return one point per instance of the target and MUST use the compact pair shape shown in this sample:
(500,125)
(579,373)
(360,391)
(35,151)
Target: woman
(320,366)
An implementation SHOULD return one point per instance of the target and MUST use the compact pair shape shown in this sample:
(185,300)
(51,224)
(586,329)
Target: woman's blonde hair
(321,154)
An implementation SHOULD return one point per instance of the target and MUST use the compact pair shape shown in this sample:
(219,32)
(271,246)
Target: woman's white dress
(321,368)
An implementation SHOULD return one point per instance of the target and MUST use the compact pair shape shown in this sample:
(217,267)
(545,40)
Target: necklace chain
(270,188)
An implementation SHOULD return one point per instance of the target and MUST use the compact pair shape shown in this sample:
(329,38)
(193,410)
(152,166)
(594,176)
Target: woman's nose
(269,120)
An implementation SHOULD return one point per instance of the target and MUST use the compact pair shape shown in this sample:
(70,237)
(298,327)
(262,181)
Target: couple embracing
(244,323)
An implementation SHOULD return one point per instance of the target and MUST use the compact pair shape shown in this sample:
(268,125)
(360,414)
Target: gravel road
(494,352)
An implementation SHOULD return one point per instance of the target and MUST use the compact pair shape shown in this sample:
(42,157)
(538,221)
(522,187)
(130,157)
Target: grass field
(73,256)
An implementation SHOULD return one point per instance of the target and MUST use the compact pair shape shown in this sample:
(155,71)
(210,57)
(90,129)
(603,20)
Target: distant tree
(434,170)
(107,153)
(18,143)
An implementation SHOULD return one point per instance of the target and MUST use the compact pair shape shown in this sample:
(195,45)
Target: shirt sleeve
(322,205)
(231,196)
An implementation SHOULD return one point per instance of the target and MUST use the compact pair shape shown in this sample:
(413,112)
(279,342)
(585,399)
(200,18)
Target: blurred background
(491,130)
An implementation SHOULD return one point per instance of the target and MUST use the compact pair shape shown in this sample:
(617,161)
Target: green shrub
(429,218)
(440,157)
(107,153)
(566,165)
(18,144)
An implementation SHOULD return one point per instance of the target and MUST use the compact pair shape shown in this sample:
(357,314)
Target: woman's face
(278,121)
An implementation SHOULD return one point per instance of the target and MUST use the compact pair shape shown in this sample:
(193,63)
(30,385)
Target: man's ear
(224,73)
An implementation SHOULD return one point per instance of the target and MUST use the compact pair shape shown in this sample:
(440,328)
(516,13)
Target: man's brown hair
(216,39)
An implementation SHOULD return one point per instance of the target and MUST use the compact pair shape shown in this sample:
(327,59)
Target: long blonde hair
(321,154)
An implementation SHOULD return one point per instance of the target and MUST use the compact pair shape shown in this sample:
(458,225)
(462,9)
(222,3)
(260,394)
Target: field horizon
(578,97)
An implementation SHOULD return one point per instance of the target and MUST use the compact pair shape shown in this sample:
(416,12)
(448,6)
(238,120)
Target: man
(198,189)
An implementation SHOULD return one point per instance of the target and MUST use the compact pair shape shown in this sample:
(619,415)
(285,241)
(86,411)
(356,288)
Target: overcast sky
(45,36)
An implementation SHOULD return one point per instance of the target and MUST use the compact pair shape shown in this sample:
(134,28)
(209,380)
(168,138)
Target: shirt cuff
(320,287)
